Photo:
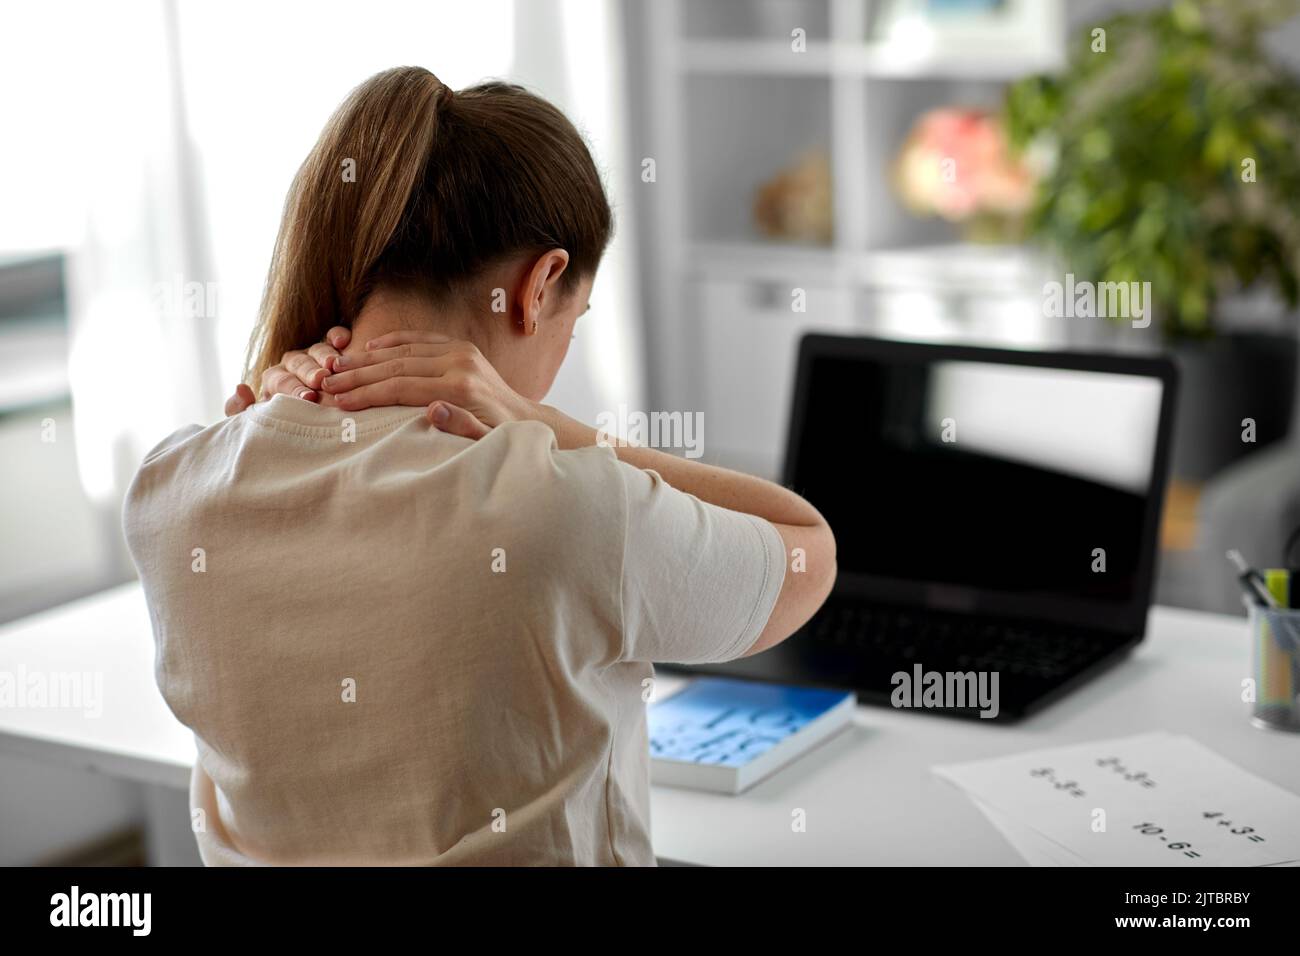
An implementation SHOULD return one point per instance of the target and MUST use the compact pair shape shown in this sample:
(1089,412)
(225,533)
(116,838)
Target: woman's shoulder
(528,450)
(171,443)
(534,441)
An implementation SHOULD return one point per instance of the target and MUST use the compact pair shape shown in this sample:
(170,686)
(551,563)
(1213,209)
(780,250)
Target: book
(725,735)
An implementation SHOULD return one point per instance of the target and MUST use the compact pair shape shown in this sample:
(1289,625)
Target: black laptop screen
(975,484)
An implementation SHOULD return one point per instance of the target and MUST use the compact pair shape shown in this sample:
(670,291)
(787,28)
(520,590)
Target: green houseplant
(1168,152)
(1172,147)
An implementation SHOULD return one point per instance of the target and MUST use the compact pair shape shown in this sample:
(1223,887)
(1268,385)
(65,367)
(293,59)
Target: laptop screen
(953,480)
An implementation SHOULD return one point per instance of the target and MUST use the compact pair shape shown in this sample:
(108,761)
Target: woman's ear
(540,288)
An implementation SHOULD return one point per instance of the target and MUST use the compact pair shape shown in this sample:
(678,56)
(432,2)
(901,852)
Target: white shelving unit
(730,104)
(868,60)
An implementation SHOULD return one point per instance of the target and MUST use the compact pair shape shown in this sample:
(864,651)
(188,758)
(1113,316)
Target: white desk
(868,793)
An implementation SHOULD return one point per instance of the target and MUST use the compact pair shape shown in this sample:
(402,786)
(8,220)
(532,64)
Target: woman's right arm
(799,524)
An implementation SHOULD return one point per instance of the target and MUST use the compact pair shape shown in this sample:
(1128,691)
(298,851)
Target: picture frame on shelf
(930,30)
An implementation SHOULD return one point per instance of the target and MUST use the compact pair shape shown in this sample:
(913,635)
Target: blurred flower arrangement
(956,164)
(795,205)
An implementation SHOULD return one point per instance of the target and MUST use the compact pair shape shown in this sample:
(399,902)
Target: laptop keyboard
(863,647)
(955,642)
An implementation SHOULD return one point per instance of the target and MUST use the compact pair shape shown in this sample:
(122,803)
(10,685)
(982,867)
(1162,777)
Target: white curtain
(139,360)
(570,52)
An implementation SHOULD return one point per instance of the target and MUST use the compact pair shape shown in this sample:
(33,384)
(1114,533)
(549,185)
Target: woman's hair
(419,188)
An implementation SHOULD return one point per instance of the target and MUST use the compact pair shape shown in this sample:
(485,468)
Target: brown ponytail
(417,187)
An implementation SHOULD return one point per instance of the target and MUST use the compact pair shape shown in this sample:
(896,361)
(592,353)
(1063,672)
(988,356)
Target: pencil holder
(1276,650)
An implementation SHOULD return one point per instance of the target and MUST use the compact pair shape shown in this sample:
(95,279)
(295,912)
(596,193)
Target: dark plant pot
(1223,381)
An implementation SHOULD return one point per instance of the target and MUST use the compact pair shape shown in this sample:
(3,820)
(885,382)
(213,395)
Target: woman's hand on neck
(387,311)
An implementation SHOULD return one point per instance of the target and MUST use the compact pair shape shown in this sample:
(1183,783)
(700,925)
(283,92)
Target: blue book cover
(723,734)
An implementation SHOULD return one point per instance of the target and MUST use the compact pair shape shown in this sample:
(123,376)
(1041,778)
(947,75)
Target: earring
(534,326)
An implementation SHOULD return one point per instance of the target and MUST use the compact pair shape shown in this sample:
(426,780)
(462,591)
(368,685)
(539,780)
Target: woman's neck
(387,311)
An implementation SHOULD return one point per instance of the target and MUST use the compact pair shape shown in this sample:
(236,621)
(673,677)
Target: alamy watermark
(1098,300)
(684,430)
(129,910)
(946,690)
(54,690)
(177,298)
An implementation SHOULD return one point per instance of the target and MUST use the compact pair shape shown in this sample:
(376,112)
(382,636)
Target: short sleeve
(699,581)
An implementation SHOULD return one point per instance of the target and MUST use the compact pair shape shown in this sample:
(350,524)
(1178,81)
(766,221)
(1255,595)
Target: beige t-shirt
(396,646)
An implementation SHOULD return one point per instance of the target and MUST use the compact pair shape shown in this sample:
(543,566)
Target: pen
(1252,582)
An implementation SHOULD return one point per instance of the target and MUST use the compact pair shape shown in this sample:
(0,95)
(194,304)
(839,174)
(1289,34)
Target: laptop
(995,514)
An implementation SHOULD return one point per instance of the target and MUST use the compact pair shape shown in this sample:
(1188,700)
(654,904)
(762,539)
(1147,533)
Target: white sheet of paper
(1037,849)
(1165,801)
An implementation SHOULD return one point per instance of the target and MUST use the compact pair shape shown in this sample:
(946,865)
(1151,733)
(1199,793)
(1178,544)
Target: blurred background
(916,169)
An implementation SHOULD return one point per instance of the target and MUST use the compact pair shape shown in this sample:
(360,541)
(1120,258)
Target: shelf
(958,267)
(950,267)
(882,62)
(744,57)
(734,57)
(772,261)
(744,107)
